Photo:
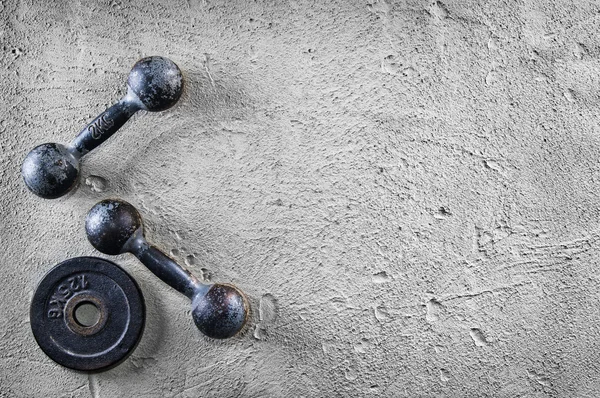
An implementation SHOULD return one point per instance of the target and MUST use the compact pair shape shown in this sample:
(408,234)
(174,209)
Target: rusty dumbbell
(115,226)
(51,170)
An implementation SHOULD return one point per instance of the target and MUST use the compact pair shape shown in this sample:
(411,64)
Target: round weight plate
(99,337)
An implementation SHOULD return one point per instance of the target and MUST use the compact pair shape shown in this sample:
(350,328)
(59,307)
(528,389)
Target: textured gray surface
(407,191)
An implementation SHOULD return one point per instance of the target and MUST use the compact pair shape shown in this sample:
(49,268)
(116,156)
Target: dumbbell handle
(164,267)
(105,125)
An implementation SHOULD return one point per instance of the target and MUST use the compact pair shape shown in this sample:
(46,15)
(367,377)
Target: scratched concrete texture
(407,191)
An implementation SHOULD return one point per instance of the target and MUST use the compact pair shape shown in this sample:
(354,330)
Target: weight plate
(97,339)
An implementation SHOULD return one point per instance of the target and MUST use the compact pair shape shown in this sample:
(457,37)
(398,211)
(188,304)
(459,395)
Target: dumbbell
(51,170)
(115,226)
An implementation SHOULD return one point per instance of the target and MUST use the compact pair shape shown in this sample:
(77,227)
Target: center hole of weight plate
(87,314)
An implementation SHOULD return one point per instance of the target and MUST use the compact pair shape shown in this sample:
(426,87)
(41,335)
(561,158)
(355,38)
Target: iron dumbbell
(115,226)
(51,170)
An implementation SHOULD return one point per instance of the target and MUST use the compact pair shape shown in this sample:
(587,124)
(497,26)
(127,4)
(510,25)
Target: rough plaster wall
(407,191)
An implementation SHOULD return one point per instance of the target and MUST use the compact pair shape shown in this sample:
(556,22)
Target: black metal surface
(219,310)
(110,224)
(78,346)
(50,170)
(154,84)
(104,126)
(157,82)
(168,270)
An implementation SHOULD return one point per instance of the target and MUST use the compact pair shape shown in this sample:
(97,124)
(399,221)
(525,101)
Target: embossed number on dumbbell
(51,170)
(100,126)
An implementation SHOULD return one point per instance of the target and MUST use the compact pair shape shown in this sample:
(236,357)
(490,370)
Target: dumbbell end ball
(221,312)
(157,82)
(50,170)
(110,224)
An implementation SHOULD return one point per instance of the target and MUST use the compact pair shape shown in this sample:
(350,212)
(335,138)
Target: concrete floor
(407,191)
